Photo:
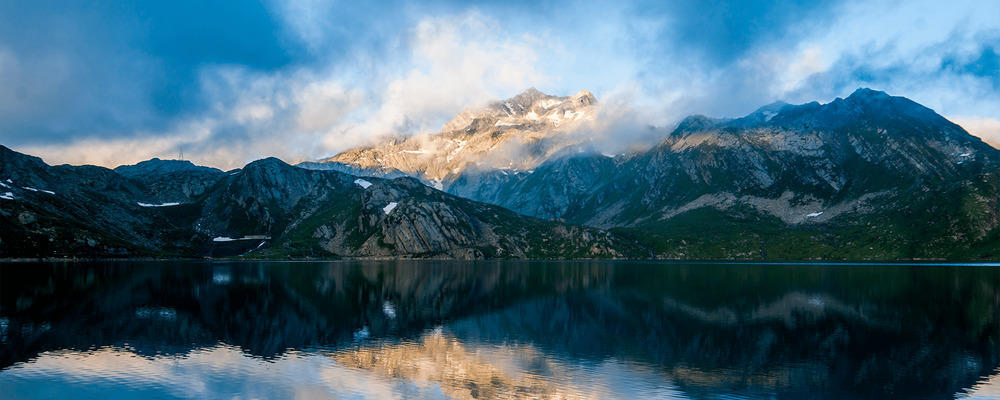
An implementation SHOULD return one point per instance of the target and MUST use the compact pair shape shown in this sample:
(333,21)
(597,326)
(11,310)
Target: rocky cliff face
(79,211)
(172,180)
(266,209)
(869,176)
(871,162)
(327,213)
(810,156)
(515,134)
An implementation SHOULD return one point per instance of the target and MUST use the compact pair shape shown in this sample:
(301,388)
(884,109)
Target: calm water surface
(497,330)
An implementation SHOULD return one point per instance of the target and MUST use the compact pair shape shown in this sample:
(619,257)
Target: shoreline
(803,262)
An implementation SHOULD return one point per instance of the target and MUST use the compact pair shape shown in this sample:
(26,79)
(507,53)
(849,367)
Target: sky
(117,82)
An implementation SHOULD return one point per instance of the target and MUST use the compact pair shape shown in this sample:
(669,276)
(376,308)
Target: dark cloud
(140,69)
(114,67)
(720,32)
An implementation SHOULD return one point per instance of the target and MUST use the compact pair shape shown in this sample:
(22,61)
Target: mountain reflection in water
(497,330)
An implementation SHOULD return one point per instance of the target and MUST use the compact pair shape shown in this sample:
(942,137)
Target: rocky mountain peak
(270,168)
(533,106)
(269,162)
(515,133)
(868,94)
(158,166)
(584,97)
(8,156)
(527,98)
(696,123)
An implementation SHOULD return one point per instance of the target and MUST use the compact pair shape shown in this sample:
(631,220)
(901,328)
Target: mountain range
(869,176)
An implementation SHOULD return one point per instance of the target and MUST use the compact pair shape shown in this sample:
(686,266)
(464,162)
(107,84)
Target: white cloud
(417,77)
(456,62)
(450,63)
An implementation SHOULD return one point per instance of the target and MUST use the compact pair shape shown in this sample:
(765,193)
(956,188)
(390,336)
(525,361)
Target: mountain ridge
(270,209)
(868,176)
(803,168)
(516,133)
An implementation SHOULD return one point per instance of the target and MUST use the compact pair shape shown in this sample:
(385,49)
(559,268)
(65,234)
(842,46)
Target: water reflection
(488,330)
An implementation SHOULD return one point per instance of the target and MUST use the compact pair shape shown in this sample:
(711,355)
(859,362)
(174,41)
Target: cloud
(110,69)
(304,79)
(987,129)
(122,150)
(456,62)
(450,63)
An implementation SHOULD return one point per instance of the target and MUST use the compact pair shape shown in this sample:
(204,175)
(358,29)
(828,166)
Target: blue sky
(111,82)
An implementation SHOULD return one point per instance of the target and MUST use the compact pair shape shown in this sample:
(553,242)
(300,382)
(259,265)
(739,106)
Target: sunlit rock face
(782,160)
(872,162)
(513,134)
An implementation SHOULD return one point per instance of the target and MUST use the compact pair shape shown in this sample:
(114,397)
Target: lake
(430,329)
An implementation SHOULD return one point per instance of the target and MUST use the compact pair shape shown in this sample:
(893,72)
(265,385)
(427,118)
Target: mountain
(79,212)
(867,176)
(321,213)
(266,209)
(515,134)
(172,180)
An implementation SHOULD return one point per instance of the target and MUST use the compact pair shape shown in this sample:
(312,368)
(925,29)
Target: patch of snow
(458,148)
(234,173)
(414,151)
(388,209)
(505,123)
(549,103)
(171,204)
(7,196)
(437,184)
(223,239)
(389,310)
(4,185)
(768,115)
(815,214)
(556,118)
(39,190)
(608,155)
(532,116)
(965,154)
(9,181)
(254,249)
(571,115)
(363,183)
